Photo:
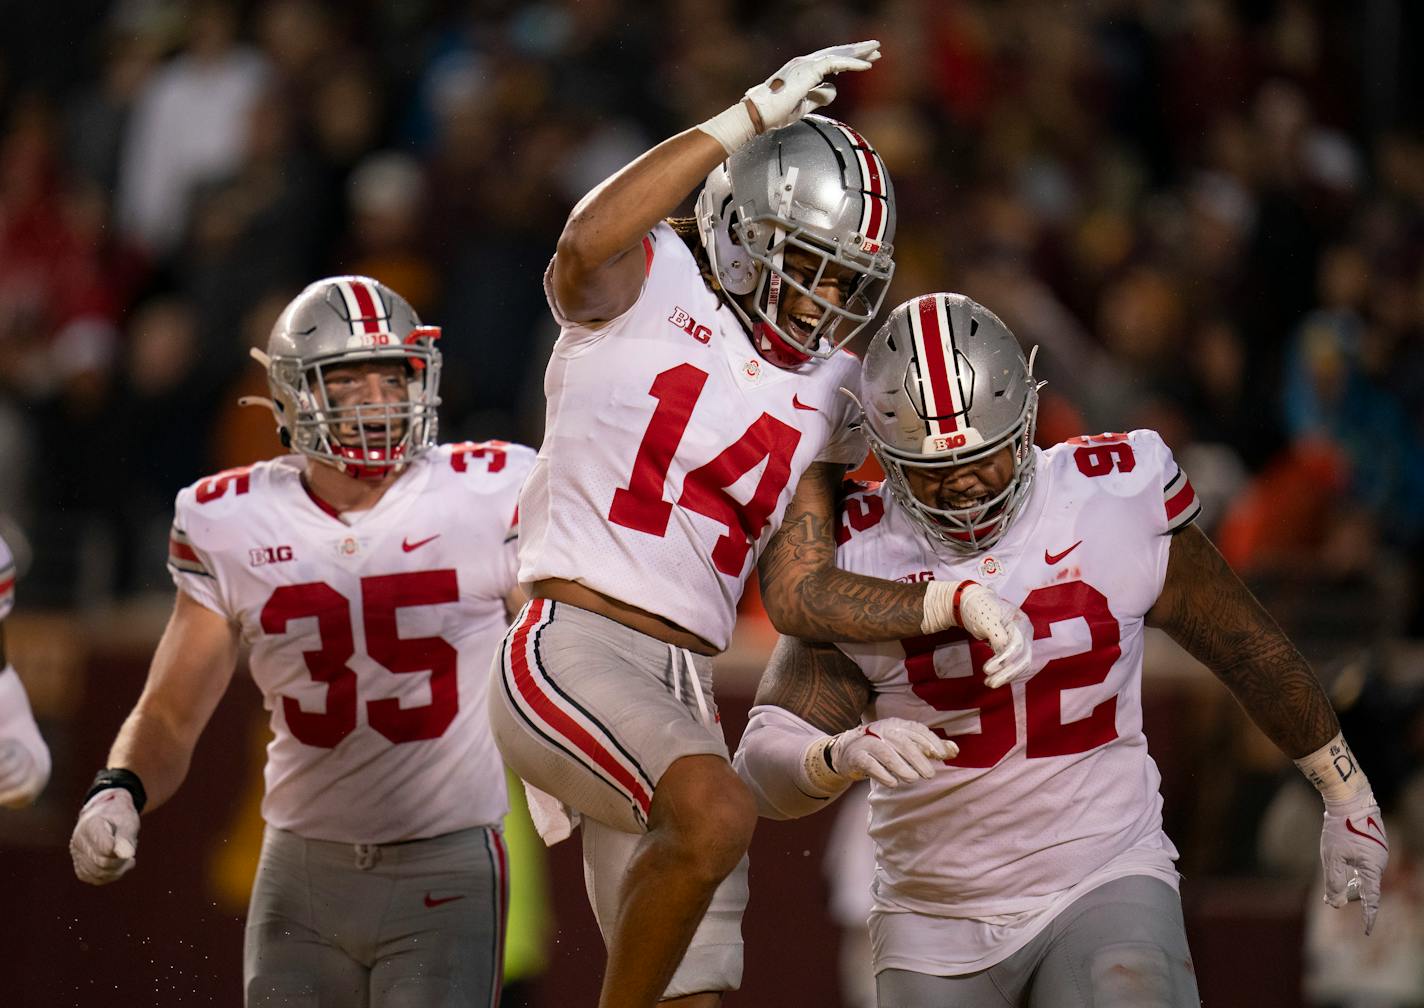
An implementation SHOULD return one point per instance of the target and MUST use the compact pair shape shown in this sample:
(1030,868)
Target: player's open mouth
(801,326)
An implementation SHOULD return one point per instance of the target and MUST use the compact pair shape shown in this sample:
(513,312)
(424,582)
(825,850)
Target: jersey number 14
(640,505)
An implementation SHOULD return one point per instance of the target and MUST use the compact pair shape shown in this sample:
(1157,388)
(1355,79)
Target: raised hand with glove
(797,89)
(1353,846)
(985,615)
(105,839)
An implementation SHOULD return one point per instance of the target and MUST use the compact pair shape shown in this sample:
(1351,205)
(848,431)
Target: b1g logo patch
(264,555)
(690,325)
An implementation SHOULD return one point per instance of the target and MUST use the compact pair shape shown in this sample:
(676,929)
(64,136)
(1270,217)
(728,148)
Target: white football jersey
(1053,785)
(7,579)
(671,449)
(371,641)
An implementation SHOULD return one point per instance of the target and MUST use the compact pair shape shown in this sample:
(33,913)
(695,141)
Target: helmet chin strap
(360,465)
(770,341)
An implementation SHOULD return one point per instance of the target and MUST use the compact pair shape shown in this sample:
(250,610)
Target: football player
(372,574)
(24,757)
(693,383)
(1030,866)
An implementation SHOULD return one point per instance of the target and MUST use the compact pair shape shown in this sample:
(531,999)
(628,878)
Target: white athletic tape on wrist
(941,610)
(1333,771)
(816,762)
(733,128)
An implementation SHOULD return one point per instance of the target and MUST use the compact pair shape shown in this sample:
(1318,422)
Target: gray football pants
(1122,945)
(418,924)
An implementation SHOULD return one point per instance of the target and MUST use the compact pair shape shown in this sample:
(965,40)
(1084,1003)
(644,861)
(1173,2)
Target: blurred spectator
(188,125)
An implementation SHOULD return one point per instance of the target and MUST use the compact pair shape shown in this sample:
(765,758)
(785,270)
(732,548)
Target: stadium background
(1209,214)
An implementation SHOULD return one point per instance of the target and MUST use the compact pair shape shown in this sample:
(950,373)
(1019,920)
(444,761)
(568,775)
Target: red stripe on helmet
(936,364)
(875,229)
(370,317)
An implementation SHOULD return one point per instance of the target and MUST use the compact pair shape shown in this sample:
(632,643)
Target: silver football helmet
(340,321)
(945,383)
(816,185)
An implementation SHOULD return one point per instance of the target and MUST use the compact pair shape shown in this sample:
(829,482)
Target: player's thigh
(287,961)
(1122,945)
(713,960)
(441,941)
(594,713)
(898,988)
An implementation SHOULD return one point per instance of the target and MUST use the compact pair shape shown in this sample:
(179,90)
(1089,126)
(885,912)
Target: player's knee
(1132,974)
(706,814)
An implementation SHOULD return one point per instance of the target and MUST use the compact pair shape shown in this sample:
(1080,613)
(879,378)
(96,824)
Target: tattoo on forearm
(1217,619)
(807,595)
(815,682)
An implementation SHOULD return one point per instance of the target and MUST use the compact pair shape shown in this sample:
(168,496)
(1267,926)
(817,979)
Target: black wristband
(118,777)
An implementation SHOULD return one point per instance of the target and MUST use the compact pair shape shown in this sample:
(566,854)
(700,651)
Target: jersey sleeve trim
(1180,501)
(182,556)
(7,589)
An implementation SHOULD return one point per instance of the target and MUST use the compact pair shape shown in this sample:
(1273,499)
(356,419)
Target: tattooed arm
(1206,609)
(817,683)
(807,596)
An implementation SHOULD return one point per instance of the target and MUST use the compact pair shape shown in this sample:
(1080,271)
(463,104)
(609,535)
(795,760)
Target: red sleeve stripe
(7,584)
(647,255)
(1183,506)
(1174,484)
(182,556)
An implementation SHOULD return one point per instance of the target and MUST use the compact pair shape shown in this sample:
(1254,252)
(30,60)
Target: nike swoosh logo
(430,901)
(1368,822)
(800,405)
(1053,558)
(407,545)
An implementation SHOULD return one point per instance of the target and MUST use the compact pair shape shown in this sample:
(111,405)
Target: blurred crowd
(1207,214)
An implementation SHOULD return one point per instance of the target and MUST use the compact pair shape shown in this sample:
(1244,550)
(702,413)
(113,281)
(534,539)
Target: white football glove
(801,87)
(105,838)
(891,751)
(1354,851)
(796,89)
(986,616)
(24,757)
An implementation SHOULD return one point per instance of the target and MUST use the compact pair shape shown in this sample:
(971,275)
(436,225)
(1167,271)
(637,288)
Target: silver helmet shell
(340,321)
(945,383)
(816,185)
